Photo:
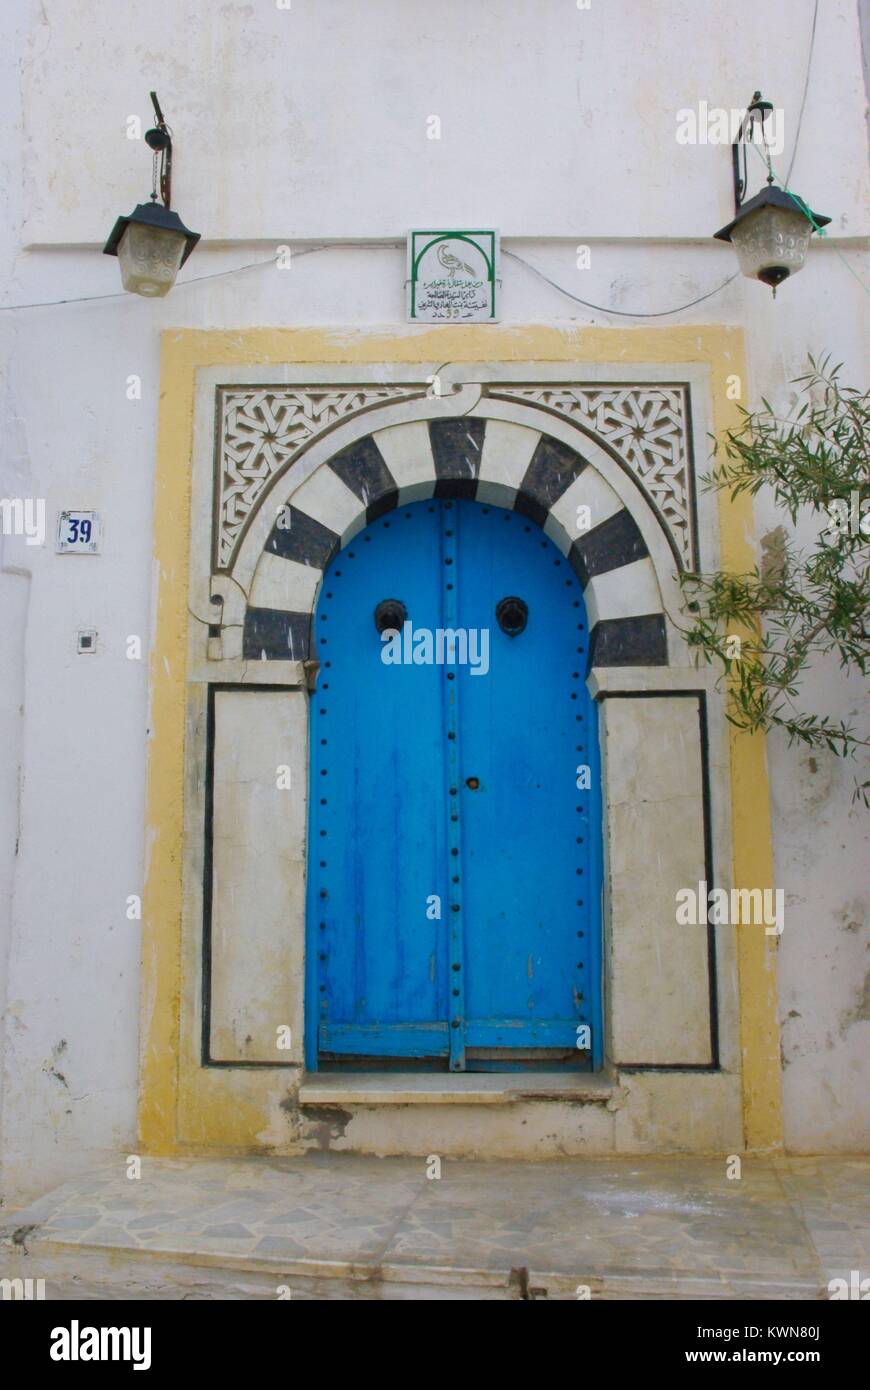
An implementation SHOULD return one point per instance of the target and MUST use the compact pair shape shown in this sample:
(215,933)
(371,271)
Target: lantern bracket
(160,141)
(757,110)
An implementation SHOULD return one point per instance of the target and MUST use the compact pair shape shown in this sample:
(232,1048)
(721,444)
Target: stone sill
(479,1088)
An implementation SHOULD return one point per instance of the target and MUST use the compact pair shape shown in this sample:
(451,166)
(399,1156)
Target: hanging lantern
(153,243)
(771,232)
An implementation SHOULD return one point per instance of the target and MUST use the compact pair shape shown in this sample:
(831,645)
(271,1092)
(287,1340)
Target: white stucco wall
(308,126)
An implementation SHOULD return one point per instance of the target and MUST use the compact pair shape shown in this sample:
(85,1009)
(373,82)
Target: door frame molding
(183,1106)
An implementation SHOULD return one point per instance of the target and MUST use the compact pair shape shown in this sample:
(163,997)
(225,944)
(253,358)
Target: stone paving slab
(348,1226)
(831,1199)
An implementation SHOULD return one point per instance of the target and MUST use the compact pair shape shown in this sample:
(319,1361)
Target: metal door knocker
(390,614)
(512,614)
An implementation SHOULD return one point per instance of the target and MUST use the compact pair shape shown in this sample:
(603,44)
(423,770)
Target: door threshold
(457,1088)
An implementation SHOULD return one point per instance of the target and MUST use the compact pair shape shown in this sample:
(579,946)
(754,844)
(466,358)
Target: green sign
(452,276)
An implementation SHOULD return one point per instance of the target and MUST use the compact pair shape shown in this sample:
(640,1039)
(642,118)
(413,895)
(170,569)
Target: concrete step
(328,1226)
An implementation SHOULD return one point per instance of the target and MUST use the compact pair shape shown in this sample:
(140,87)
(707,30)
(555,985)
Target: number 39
(79,530)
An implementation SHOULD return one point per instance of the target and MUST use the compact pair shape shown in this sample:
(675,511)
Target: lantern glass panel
(771,238)
(150,257)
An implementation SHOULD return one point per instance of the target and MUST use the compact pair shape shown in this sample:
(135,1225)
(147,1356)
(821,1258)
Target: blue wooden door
(454,841)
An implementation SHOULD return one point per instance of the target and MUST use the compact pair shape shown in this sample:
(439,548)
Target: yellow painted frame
(183,351)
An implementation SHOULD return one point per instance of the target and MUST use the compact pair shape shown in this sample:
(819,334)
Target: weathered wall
(309,126)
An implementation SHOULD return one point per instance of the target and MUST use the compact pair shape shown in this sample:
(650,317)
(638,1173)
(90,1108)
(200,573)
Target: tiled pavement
(348,1226)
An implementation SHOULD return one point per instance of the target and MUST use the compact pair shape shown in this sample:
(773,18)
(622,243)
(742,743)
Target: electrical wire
(623,313)
(804,96)
(213,275)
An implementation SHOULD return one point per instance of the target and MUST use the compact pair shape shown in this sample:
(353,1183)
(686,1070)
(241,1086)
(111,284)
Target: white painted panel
(330,501)
(658,981)
(627,592)
(589,490)
(284,584)
(407,452)
(258,874)
(507,453)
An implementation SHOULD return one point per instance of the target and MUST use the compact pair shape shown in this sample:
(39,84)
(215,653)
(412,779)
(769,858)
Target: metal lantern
(153,243)
(771,232)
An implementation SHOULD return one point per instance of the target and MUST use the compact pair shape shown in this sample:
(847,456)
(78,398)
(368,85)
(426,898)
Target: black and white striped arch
(495,461)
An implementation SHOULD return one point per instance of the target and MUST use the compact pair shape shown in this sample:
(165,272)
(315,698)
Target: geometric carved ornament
(263,430)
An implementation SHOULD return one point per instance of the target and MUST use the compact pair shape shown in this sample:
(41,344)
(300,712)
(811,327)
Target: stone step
(90,1273)
(343,1226)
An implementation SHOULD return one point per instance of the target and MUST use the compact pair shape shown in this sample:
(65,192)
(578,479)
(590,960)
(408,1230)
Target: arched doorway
(454,841)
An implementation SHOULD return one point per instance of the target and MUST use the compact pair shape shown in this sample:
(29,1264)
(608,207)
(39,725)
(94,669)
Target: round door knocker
(512,614)
(390,614)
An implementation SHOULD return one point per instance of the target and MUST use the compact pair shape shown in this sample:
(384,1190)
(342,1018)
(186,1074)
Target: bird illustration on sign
(452,263)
